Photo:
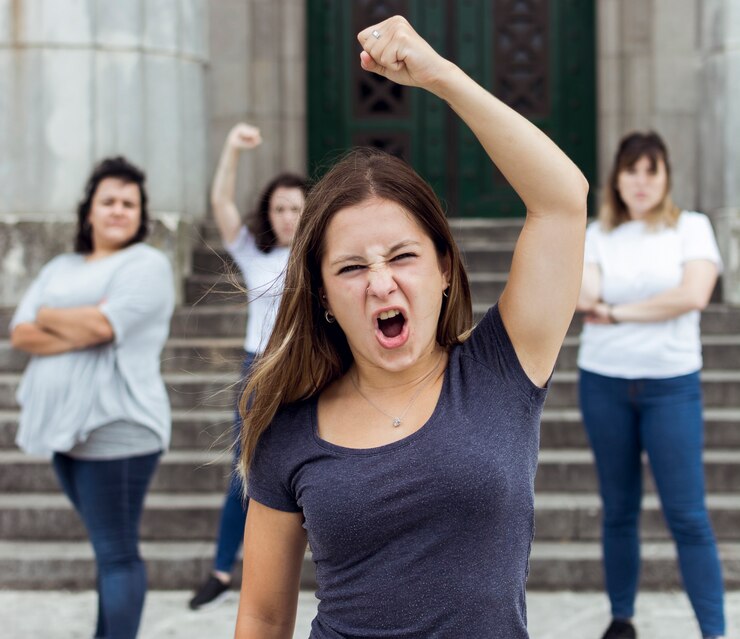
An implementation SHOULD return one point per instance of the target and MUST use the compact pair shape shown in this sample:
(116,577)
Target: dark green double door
(536,55)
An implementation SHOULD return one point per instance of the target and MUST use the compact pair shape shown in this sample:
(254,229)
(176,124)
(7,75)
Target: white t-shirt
(636,263)
(264,275)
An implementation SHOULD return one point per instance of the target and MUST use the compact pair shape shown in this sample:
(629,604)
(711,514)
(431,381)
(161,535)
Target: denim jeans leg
(612,427)
(64,469)
(234,510)
(111,498)
(672,431)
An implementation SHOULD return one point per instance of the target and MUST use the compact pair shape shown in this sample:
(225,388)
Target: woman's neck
(375,379)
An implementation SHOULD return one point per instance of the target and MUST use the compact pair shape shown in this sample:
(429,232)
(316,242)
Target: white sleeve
(697,239)
(141,291)
(592,253)
(243,246)
(32,299)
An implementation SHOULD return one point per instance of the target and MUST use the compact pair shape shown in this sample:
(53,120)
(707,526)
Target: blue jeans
(234,511)
(663,417)
(109,497)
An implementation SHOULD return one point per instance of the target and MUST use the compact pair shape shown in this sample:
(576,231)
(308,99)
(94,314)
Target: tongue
(391,327)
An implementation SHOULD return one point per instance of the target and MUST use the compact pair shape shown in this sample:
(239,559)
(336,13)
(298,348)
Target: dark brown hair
(258,221)
(313,351)
(632,148)
(115,167)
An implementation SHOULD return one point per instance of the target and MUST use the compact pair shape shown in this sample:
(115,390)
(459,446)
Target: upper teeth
(388,314)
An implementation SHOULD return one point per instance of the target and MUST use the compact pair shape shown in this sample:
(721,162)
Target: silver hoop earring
(330,319)
(445,293)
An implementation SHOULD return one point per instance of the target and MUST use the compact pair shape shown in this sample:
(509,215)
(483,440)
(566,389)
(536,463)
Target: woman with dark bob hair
(383,428)
(650,269)
(92,397)
(260,246)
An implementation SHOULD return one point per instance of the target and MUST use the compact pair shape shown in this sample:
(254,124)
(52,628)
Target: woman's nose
(380,281)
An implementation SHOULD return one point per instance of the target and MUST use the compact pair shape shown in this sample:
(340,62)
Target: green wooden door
(536,55)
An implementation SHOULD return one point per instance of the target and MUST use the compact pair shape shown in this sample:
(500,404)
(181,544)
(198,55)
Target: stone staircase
(42,543)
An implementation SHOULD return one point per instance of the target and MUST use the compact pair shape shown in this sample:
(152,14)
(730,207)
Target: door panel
(536,55)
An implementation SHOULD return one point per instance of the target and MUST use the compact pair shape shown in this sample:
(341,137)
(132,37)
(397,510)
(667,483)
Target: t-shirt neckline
(385,448)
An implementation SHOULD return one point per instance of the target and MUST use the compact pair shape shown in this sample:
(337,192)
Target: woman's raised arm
(540,297)
(225,211)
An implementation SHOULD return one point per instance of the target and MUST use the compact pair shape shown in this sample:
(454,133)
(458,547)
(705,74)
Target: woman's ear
(445,265)
(323,299)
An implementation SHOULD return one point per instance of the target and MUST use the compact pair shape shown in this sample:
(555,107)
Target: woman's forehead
(373,221)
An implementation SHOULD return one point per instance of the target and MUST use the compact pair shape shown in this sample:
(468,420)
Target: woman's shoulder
(142,253)
(692,218)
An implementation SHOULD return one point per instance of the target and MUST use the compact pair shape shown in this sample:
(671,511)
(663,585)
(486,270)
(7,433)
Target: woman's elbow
(700,301)
(17,339)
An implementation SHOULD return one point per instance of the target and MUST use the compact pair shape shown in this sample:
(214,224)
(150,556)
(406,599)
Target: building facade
(162,81)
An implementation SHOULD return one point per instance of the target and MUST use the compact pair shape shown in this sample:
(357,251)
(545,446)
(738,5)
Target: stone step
(179,472)
(721,389)
(202,390)
(578,566)
(561,428)
(182,565)
(221,354)
(229,319)
(573,471)
(181,354)
(560,470)
(195,517)
(209,390)
(191,429)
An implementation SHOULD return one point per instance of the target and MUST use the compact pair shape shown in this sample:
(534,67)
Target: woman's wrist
(610,314)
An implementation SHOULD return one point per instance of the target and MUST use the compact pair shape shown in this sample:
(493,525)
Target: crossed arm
(693,293)
(60,330)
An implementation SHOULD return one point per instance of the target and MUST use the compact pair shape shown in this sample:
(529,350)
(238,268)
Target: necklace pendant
(396,422)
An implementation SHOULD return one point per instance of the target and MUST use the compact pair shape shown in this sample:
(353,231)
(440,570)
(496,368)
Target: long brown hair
(305,353)
(632,148)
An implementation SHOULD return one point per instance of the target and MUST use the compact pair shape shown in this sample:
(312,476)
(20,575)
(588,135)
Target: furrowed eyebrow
(360,258)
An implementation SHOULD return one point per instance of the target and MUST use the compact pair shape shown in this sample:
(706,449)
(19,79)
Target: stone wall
(648,75)
(257,75)
(84,79)
(720,132)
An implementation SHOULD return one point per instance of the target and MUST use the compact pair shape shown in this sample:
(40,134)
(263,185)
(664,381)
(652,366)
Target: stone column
(720,132)
(649,59)
(85,79)
(257,75)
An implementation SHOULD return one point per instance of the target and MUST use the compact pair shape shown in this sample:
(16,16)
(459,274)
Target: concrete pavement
(558,615)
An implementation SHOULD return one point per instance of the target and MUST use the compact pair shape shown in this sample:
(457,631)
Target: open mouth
(391,323)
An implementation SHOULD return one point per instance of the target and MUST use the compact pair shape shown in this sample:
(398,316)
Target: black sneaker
(213,591)
(619,629)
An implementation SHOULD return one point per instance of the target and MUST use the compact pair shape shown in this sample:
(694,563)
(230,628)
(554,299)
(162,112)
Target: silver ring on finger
(376,34)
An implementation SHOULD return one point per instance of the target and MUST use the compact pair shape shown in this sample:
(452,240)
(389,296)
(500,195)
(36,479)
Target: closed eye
(350,268)
(402,256)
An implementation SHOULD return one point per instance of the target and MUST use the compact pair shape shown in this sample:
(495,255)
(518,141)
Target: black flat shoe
(620,630)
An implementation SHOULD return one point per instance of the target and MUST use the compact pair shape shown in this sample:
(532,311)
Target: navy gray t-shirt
(427,537)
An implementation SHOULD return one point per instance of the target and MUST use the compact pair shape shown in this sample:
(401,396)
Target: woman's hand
(601,313)
(394,50)
(243,137)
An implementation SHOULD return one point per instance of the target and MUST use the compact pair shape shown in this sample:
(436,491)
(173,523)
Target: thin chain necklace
(396,421)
